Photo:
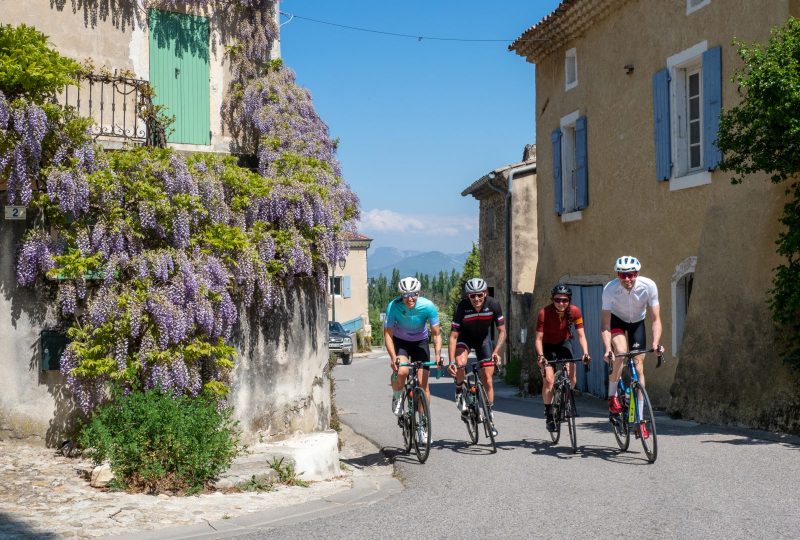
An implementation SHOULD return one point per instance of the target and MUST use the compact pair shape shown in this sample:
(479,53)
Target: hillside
(384,260)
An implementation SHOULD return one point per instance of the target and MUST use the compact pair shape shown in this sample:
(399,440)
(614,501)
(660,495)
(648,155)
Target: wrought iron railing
(121,108)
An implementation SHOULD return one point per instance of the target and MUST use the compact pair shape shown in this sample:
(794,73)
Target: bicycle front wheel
(648,420)
(568,406)
(421,425)
(488,425)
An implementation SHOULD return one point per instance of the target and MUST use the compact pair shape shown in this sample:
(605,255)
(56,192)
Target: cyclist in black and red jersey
(553,334)
(471,327)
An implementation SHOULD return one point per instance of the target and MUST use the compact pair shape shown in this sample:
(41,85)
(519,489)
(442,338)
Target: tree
(762,134)
(472,268)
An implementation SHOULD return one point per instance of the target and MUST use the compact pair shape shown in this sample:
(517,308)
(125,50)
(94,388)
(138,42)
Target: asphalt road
(708,482)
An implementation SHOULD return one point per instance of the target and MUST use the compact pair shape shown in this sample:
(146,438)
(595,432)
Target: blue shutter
(346,286)
(663,137)
(712,105)
(556,138)
(581,157)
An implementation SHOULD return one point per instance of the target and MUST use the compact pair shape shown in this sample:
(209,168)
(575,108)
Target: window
(682,281)
(570,172)
(570,69)
(340,286)
(687,98)
(694,5)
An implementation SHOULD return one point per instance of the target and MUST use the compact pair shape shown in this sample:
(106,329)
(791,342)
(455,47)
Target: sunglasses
(561,300)
(476,296)
(410,295)
(627,275)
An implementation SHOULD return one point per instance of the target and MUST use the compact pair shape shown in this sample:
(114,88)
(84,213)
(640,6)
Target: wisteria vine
(153,255)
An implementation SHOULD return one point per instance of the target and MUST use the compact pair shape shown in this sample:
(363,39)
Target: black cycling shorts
(563,350)
(483,347)
(413,350)
(635,332)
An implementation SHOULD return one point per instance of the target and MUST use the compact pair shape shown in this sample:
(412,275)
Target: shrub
(156,442)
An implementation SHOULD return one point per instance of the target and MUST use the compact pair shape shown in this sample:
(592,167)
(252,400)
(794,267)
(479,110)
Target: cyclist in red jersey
(553,334)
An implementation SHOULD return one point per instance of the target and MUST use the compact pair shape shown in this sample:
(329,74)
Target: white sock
(641,406)
(612,388)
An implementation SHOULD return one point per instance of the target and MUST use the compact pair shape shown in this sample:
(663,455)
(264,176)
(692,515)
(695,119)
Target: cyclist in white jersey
(625,303)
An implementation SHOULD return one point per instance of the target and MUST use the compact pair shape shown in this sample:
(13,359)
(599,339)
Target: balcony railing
(119,107)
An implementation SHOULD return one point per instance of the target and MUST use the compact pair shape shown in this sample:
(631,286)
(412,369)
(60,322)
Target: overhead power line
(395,34)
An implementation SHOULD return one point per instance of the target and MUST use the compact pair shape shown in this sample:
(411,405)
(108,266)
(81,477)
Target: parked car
(340,342)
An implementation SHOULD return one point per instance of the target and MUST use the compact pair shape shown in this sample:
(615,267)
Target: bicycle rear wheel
(421,425)
(471,419)
(650,444)
(556,411)
(619,424)
(488,425)
(405,423)
(568,407)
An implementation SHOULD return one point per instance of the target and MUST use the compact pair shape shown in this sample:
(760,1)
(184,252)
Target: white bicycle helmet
(408,285)
(474,285)
(626,263)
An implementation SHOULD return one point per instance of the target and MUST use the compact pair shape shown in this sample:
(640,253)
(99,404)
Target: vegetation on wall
(150,253)
(762,134)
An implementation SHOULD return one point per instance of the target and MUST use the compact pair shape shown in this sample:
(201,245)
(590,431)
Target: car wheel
(347,359)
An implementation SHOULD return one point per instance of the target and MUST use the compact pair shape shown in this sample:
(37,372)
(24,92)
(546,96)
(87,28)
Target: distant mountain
(429,262)
(386,256)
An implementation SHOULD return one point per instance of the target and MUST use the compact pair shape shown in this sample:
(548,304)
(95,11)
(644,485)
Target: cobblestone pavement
(43,494)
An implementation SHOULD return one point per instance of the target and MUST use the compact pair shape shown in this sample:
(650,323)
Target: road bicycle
(477,407)
(563,407)
(636,409)
(415,416)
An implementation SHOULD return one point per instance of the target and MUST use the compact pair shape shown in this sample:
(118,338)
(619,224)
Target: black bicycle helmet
(561,289)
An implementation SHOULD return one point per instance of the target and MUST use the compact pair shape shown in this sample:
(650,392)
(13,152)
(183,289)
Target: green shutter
(179,73)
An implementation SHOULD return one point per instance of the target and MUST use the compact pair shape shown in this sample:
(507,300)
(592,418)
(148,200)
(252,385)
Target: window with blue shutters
(687,99)
(570,167)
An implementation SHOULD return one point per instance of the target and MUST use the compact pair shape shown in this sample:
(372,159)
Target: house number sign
(15,212)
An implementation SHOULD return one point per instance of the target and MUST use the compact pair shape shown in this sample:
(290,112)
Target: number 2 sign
(15,212)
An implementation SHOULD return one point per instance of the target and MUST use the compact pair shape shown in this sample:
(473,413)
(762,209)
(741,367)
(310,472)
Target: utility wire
(395,34)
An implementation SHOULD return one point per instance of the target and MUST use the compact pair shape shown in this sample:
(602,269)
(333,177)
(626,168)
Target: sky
(418,120)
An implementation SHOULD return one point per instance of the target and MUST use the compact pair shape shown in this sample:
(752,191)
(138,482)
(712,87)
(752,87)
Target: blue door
(589,299)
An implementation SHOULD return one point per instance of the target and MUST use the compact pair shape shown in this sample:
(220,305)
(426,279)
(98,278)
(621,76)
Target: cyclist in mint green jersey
(405,332)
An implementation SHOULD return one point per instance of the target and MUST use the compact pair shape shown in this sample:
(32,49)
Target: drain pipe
(511,173)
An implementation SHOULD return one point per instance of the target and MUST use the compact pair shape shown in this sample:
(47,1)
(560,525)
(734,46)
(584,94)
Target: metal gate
(589,299)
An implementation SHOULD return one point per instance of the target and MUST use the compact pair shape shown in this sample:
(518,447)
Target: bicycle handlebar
(566,361)
(631,354)
(419,364)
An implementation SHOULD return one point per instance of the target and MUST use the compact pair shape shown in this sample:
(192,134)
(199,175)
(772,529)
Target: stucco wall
(630,212)
(32,402)
(118,39)
(279,386)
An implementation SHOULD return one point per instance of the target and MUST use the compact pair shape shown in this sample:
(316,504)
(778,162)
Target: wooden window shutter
(581,164)
(556,138)
(662,134)
(712,105)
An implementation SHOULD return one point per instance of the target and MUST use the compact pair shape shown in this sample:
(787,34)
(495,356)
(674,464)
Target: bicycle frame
(633,403)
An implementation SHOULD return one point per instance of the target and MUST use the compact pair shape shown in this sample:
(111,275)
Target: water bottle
(395,393)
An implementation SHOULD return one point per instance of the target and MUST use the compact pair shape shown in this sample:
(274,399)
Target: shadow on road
(13,528)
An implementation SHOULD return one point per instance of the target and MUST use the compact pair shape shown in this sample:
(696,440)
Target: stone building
(278,386)
(628,96)
(508,241)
